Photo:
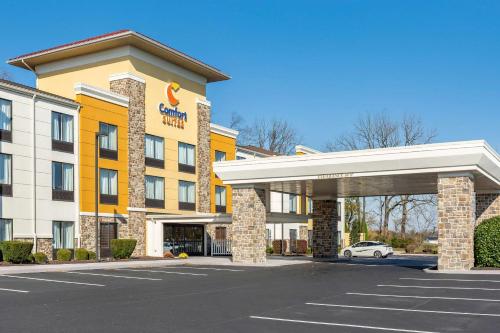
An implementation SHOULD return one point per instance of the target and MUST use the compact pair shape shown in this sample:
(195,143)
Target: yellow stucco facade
(156,80)
(226,144)
(92,112)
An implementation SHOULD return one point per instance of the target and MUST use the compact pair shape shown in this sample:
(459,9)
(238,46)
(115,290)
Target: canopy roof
(400,170)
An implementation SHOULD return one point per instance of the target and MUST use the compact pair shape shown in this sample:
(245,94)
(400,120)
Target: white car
(367,249)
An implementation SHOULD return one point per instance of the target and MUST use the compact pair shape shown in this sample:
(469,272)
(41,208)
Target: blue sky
(319,64)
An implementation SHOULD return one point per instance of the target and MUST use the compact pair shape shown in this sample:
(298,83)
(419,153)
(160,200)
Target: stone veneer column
(487,206)
(456,219)
(203,165)
(324,237)
(249,225)
(135,90)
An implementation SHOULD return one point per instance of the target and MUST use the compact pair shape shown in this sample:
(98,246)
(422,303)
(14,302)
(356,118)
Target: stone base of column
(249,225)
(456,219)
(324,237)
(137,231)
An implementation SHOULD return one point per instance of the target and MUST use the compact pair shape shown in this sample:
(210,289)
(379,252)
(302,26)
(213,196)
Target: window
(5,120)
(154,151)
(5,230)
(220,156)
(155,192)
(62,181)
(220,233)
(187,195)
(5,175)
(108,146)
(220,199)
(292,203)
(309,205)
(63,235)
(62,132)
(186,158)
(108,186)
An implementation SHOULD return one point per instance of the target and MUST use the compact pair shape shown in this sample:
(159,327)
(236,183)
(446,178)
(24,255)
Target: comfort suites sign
(171,115)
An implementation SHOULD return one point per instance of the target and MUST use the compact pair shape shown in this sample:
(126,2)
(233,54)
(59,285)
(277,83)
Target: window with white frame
(154,147)
(5,115)
(62,127)
(63,235)
(5,169)
(5,230)
(155,188)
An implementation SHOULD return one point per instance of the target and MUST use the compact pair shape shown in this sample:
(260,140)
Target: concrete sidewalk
(211,261)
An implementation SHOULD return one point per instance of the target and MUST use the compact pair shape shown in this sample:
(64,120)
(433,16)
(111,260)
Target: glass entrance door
(178,238)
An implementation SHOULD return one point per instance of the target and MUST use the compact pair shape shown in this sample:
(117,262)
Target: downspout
(33,205)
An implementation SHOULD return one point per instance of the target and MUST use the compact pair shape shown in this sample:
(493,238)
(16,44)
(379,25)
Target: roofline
(101,94)
(116,35)
(225,131)
(246,149)
(27,90)
(306,150)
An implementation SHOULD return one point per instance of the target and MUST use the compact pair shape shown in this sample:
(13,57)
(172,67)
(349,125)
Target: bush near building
(183,255)
(277,246)
(15,251)
(40,258)
(487,243)
(92,255)
(122,248)
(81,254)
(63,255)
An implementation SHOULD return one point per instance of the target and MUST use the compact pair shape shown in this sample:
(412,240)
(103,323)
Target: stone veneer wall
(324,237)
(249,225)
(136,92)
(44,245)
(203,166)
(456,219)
(87,229)
(210,230)
(303,232)
(487,206)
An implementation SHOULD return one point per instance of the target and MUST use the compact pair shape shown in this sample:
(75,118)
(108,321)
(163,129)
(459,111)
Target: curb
(433,270)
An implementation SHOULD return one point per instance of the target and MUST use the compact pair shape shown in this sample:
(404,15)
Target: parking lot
(359,295)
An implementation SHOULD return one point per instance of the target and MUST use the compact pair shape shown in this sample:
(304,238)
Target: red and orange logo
(171,88)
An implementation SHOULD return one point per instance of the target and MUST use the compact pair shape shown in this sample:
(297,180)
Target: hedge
(63,255)
(40,258)
(277,246)
(122,248)
(92,255)
(15,251)
(487,243)
(81,254)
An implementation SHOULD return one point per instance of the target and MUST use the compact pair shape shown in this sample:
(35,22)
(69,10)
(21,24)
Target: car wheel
(377,254)
(348,254)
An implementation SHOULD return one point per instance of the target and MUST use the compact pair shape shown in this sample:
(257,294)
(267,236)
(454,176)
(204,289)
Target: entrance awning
(387,171)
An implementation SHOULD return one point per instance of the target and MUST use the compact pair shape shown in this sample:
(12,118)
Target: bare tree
(4,75)
(381,131)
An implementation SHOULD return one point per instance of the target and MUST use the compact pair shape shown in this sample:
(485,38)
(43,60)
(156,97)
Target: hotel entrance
(188,238)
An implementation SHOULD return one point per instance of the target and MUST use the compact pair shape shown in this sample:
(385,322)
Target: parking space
(314,297)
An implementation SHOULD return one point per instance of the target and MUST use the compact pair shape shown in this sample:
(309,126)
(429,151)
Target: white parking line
(429,297)
(206,268)
(340,324)
(156,271)
(432,287)
(459,280)
(58,281)
(117,276)
(406,310)
(14,290)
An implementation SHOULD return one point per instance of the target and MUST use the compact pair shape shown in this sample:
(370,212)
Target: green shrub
(81,254)
(63,255)
(487,243)
(430,248)
(310,250)
(92,255)
(269,250)
(16,252)
(40,258)
(400,243)
(122,248)
(277,246)
(1,256)
(410,248)
(183,255)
